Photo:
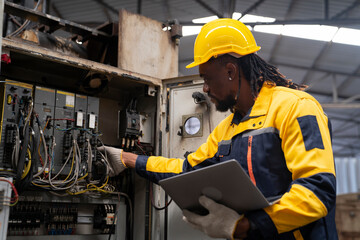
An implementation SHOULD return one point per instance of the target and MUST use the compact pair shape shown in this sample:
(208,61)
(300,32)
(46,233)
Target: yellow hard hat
(222,36)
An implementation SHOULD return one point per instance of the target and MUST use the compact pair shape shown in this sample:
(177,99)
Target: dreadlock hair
(256,70)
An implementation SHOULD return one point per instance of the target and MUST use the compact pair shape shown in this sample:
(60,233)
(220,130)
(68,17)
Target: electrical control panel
(15,100)
(49,143)
(58,131)
(61,127)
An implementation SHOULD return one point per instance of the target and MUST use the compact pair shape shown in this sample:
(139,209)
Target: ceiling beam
(326,47)
(279,37)
(341,105)
(331,22)
(347,137)
(345,146)
(345,152)
(314,82)
(326,9)
(347,10)
(343,155)
(166,11)
(139,3)
(349,79)
(316,69)
(343,119)
(299,67)
(228,7)
(346,125)
(251,8)
(210,9)
(340,142)
(107,6)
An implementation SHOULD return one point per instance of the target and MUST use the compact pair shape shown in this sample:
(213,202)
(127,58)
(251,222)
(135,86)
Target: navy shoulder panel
(311,132)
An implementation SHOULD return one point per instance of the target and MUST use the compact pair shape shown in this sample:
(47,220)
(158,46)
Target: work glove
(114,158)
(219,223)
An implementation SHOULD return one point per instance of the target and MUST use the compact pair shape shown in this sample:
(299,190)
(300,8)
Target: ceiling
(331,70)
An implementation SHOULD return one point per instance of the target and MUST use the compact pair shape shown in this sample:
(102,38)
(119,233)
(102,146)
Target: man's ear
(232,71)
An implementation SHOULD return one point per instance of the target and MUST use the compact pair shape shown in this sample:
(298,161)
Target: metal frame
(54,23)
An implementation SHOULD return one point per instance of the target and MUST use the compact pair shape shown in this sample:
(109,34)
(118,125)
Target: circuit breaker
(39,218)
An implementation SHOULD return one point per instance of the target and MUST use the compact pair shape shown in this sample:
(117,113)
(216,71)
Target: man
(278,133)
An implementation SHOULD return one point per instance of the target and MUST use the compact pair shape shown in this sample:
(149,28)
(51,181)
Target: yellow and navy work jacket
(284,144)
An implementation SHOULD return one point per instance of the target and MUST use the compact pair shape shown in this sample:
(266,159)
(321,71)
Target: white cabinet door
(179,138)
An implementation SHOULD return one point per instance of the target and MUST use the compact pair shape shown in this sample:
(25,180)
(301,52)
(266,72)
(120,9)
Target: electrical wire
(27,119)
(24,25)
(16,149)
(152,200)
(14,190)
(89,158)
(28,166)
(42,140)
(138,145)
(71,178)
(75,160)
(131,218)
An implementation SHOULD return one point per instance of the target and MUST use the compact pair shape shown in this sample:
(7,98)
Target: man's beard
(224,105)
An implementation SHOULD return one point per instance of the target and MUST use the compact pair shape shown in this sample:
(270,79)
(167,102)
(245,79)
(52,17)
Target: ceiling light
(190,30)
(347,36)
(254,18)
(236,15)
(204,19)
(313,32)
(272,29)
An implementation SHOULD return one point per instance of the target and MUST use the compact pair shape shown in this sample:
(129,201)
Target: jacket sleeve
(156,168)
(306,144)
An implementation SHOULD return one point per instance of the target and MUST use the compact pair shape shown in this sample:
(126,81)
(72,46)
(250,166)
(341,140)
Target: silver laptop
(226,183)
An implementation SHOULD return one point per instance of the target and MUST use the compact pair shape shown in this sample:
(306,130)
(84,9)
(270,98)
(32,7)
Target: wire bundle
(9,201)
(30,147)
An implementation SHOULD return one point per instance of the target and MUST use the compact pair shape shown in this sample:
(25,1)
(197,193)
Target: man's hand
(221,221)
(114,156)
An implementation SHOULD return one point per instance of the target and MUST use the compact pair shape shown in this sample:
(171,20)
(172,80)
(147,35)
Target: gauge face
(192,125)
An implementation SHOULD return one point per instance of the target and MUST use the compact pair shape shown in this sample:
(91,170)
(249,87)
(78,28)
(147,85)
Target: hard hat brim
(193,64)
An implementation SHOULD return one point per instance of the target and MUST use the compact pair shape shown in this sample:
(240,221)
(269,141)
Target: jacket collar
(260,107)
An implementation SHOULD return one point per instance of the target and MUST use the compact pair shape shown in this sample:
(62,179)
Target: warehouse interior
(90,49)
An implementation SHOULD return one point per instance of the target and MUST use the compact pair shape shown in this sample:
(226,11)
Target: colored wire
(28,166)
(152,200)
(42,140)
(16,149)
(14,190)
(89,158)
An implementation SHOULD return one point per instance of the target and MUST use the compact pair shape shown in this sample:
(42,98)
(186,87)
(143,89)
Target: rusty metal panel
(145,48)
